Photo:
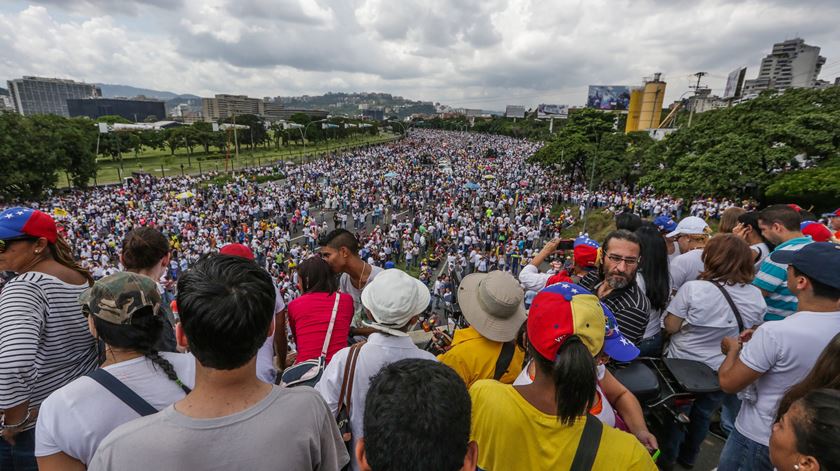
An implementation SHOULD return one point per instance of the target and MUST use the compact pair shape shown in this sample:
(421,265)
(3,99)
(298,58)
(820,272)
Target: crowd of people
(149,320)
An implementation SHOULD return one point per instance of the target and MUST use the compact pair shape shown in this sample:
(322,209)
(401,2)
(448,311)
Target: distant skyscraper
(792,64)
(39,95)
(224,106)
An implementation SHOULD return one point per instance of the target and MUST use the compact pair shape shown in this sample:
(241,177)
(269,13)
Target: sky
(467,53)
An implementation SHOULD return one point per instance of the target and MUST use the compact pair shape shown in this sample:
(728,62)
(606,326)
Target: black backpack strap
(505,357)
(123,392)
(587,448)
(731,305)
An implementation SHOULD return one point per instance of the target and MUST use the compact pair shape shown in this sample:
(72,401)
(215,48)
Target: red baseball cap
(237,250)
(817,231)
(560,311)
(22,222)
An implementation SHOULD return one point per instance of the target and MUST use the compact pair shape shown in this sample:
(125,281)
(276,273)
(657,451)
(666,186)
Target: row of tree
(37,150)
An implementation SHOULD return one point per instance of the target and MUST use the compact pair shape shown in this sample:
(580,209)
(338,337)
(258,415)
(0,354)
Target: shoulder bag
(590,441)
(308,373)
(505,357)
(342,416)
(731,304)
(123,392)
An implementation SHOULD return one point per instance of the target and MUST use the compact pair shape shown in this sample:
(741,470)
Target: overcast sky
(474,53)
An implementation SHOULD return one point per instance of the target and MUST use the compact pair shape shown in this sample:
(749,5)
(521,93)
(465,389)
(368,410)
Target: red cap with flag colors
(560,311)
(16,223)
(585,251)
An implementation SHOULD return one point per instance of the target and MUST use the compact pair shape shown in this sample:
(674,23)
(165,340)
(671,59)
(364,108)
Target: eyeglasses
(4,244)
(629,261)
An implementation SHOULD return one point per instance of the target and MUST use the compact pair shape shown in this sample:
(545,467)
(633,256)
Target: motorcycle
(665,386)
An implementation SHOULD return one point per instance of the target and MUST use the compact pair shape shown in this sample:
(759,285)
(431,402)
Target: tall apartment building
(791,64)
(40,95)
(223,106)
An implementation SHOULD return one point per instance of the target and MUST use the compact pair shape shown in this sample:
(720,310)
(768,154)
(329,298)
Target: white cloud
(471,52)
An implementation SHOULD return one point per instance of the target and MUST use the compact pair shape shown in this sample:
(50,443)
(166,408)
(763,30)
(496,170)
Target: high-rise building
(791,64)
(136,110)
(40,95)
(224,106)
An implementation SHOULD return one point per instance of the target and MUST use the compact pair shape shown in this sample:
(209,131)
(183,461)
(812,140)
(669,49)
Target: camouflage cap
(117,297)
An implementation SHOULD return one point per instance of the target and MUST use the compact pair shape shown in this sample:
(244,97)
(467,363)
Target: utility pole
(696,88)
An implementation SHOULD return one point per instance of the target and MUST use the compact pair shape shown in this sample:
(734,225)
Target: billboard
(552,111)
(608,97)
(514,111)
(735,83)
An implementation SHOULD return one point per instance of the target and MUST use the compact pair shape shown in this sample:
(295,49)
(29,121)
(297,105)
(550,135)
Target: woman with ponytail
(540,425)
(44,343)
(124,313)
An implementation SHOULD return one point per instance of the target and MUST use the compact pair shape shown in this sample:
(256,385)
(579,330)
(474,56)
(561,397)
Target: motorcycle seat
(693,376)
(639,380)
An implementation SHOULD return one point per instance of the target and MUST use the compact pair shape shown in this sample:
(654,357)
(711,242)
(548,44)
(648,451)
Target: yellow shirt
(474,357)
(512,434)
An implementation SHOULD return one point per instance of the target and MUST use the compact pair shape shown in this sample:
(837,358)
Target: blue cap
(819,261)
(389,264)
(665,223)
(615,344)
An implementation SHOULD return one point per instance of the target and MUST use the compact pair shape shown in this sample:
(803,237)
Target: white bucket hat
(692,225)
(493,303)
(393,298)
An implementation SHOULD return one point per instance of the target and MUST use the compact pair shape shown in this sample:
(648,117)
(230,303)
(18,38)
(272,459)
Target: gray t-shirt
(291,428)
(346,286)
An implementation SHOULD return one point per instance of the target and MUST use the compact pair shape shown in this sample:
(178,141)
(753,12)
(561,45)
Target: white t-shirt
(606,414)
(762,251)
(686,267)
(76,417)
(265,355)
(654,325)
(784,351)
(707,319)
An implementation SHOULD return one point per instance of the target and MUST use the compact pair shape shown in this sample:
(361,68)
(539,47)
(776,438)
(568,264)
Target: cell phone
(567,244)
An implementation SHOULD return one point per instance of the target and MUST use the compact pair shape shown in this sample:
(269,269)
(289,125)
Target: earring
(37,251)
(796,467)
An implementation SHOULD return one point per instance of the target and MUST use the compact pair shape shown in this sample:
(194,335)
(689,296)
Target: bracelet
(4,426)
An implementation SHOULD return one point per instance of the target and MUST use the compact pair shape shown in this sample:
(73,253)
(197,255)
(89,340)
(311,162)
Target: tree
(730,151)
(173,139)
(587,135)
(37,149)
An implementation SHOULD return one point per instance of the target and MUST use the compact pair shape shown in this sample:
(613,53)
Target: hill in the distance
(110,91)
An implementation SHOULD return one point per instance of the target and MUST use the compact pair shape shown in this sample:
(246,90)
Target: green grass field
(160,163)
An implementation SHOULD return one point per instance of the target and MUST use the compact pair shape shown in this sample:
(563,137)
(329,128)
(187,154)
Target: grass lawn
(160,163)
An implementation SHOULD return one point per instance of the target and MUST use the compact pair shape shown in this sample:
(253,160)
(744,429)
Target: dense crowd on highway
(278,321)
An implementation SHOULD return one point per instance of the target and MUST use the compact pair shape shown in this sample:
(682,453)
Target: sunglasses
(4,244)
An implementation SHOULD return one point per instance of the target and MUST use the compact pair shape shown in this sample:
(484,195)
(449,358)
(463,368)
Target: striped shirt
(629,304)
(772,277)
(44,339)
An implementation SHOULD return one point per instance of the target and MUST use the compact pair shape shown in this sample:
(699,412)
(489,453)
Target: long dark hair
(824,374)
(654,265)
(818,429)
(63,254)
(141,335)
(316,276)
(573,372)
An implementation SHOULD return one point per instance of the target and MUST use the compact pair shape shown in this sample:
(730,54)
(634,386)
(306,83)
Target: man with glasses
(615,283)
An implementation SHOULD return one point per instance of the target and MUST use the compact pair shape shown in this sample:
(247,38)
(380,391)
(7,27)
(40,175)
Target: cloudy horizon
(470,53)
